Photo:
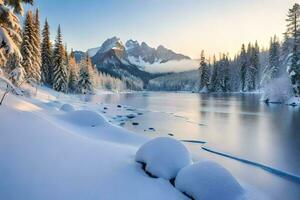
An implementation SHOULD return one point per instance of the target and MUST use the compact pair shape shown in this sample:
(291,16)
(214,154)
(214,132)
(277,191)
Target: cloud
(173,66)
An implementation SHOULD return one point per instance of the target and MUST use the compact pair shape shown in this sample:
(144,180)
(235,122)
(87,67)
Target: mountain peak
(111,43)
(132,44)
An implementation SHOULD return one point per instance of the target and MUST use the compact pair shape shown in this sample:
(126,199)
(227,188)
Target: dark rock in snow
(131,116)
(135,123)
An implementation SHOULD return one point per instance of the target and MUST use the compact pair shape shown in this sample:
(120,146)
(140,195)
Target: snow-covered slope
(47,154)
(93,51)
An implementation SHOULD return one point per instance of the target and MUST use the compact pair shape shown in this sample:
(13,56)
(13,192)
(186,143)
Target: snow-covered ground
(56,146)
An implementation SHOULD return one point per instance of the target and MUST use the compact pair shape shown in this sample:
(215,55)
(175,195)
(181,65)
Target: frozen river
(265,136)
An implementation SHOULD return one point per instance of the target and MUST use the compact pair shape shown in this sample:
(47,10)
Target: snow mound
(207,180)
(67,108)
(84,118)
(163,157)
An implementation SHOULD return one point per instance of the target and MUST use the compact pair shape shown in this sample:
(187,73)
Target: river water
(239,125)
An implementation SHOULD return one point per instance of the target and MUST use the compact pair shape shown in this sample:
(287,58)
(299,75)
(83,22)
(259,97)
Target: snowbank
(163,157)
(207,180)
(84,118)
(43,157)
(67,108)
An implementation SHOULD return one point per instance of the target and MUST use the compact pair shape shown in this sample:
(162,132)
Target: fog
(172,66)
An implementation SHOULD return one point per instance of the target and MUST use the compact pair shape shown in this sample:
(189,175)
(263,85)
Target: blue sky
(186,26)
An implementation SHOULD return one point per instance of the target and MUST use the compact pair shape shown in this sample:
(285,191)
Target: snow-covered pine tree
(235,74)
(12,62)
(85,84)
(10,29)
(37,44)
(285,51)
(225,74)
(252,72)
(214,75)
(73,76)
(66,60)
(204,72)
(274,54)
(46,54)
(28,49)
(293,32)
(60,76)
(243,64)
(14,69)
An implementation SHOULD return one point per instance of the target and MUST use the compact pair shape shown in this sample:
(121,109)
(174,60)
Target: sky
(185,26)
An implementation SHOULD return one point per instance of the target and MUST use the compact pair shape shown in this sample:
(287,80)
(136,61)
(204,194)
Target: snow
(141,63)
(294,101)
(207,180)
(84,118)
(45,155)
(50,150)
(93,51)
(67,108)
(10,46)
(163,157)
(277,91)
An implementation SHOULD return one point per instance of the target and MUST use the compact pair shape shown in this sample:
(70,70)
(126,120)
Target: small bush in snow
(163,157)
(207,180)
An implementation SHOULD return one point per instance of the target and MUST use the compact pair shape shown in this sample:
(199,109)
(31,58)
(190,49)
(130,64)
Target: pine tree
(46,54)
(293,31)
(28,49)
(10,29)
(37,44)
(226,75)
(73,77)
(60,76)
(85,85)
(253,65)
(243,64)
(274,55)
(214,76)
(204,74)
(14,69)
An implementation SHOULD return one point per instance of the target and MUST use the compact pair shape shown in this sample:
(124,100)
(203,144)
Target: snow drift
(163,157)
(67,108)
(84,118)
(207,180)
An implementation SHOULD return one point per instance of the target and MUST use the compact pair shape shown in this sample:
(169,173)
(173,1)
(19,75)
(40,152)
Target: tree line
(27,54)
(246,73)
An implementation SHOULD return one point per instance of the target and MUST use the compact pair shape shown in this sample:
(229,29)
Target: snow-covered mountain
(142,53)
(138,54)
(132,60)
(112,58)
